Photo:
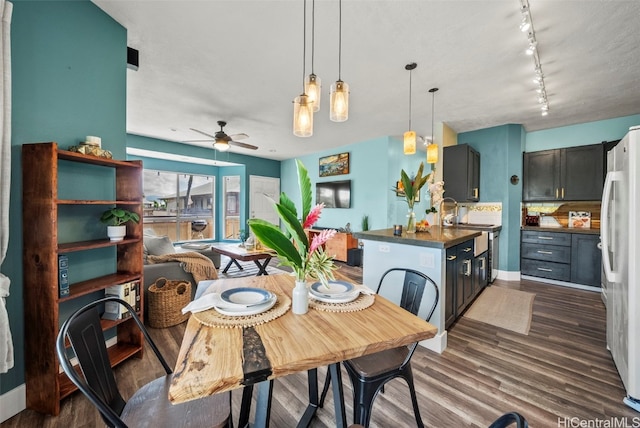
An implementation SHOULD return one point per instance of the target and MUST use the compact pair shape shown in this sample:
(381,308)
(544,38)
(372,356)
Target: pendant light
(410,135)
(302,106)
(312,84)
(432,147)
(339,102)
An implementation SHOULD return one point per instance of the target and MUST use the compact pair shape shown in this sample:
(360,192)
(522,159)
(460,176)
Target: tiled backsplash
(557,213)
(482,213)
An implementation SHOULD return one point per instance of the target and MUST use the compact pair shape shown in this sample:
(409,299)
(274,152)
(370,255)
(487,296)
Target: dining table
(217,357)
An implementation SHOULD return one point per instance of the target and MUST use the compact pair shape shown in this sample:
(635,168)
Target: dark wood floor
(560,371)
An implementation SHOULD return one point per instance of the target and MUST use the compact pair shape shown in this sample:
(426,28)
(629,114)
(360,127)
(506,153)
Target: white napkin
(203,303)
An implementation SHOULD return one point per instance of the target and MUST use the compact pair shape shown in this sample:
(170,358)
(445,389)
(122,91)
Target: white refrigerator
(620,233)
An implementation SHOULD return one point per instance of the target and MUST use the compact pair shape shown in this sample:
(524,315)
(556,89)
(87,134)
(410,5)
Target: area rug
(504,308)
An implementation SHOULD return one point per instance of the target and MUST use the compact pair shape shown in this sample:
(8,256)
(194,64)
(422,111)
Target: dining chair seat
(149,406)
(378,364)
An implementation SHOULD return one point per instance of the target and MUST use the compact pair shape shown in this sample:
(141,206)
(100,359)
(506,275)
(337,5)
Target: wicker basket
(166,300)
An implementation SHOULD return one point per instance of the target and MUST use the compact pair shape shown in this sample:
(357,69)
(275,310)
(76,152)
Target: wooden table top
(235,251)
(213,359)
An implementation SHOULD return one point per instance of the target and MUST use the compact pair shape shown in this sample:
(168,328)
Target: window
(180,206)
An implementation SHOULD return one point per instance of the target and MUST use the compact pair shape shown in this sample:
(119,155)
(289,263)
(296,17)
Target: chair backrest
(508,419)
(414,286)
(87,341)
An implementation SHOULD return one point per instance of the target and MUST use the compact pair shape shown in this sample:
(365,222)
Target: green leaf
(305,189)
(272,237)
(292,224)
(288,203)
(408,187)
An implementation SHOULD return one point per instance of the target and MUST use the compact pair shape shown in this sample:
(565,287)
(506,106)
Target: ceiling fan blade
(203,133)
(241,136)
(243,145)
(197,141)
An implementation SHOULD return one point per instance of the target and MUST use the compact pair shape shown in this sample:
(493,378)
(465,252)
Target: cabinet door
(450,287)
(586,259)
(582,172)
(541,176)
(480,270)
(461,172)
(464,278)
(473,175)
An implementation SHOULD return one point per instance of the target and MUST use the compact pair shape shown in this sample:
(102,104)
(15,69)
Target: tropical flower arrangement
(307,259)
(411,187)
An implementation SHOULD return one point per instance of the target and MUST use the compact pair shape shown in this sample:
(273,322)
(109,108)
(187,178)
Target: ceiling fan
(222,141)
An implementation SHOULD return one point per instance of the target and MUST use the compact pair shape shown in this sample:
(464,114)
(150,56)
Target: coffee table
(235,252)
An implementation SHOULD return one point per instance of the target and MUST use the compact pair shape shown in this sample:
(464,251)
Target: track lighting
(526,26)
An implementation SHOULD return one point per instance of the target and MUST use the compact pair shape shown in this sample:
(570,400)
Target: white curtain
(6,343)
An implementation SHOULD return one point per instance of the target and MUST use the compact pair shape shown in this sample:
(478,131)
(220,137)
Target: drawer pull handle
(545,237)
(545,269)
(466,270)
(466,250)
(452,258)
(545,252)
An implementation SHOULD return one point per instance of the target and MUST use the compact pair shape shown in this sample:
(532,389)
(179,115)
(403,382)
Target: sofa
(161,245)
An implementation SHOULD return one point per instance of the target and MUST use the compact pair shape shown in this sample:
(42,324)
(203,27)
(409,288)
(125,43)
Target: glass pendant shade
(339,108)
(312,88)
(302,116)
(432,153)
(221,145)
(409,142)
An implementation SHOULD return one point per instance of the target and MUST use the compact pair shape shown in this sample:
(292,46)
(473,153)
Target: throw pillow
(158,245)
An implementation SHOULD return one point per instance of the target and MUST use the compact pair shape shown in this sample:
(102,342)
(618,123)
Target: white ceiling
(241,61)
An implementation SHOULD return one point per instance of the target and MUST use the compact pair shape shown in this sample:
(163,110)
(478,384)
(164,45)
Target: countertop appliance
(620,234)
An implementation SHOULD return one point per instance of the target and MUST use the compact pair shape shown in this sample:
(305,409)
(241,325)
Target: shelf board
(85,287)
(70,247)
(79,157)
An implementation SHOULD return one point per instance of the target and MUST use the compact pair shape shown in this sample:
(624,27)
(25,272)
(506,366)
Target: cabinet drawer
(550,253)
(557,271)
(541,237)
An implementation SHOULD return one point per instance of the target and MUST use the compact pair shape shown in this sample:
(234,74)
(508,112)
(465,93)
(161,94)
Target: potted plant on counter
(116,219)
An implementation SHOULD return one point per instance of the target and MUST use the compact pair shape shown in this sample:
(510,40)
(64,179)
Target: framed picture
(400,191)
(334,165)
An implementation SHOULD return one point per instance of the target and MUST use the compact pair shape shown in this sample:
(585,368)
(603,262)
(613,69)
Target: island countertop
(435,237)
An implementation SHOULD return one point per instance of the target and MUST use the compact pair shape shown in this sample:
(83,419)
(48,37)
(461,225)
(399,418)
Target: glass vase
(300,298)
(411,222)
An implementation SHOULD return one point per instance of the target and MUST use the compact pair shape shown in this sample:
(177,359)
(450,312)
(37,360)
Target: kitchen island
(422,251)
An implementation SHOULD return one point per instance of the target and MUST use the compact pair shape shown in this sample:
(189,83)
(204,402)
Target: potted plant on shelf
(116,219)
(410,189)
(307,259)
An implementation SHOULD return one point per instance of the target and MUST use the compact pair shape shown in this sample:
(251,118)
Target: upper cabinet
(570,174)
(461,173)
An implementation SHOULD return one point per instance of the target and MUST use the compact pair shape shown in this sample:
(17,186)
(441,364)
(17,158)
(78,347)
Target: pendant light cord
(340,42)
(313,32)
(433,113)
(410,73)
(304,42)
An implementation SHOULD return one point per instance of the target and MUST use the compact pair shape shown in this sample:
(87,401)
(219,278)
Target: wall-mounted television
(334,194)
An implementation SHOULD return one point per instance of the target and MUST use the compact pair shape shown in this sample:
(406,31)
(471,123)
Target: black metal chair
(508,419)
(149,406)
(370,373)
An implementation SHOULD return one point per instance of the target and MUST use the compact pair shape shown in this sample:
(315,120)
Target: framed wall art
(334,165)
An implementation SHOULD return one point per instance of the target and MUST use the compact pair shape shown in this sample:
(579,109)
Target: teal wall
(580,135)
(69,81)
(374,169)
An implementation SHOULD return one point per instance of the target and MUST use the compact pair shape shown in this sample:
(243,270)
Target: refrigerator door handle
(610,274)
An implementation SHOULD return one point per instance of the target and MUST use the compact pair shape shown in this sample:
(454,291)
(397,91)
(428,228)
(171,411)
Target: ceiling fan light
(339,102)
(313,89)
(302,116)
(221,145)
(409,142)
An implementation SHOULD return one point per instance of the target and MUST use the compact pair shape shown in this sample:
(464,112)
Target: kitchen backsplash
(556,214)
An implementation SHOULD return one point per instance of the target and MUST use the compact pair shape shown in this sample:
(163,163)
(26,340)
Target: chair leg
(408,377)
(245,407)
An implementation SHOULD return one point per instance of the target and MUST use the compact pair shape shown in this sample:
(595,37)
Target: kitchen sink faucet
(441,212)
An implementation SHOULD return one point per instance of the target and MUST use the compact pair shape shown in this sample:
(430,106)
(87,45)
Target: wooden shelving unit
(46,385)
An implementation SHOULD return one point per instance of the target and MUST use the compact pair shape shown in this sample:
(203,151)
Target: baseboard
(562,283)
(506,275)
(13,402)
(438,343)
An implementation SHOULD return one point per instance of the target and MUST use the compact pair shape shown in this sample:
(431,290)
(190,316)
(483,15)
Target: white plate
(252,310)
(245,297)
(336,289)
(341,299)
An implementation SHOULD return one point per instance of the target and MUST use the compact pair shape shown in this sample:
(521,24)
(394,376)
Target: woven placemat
(213,318)
(361,302)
